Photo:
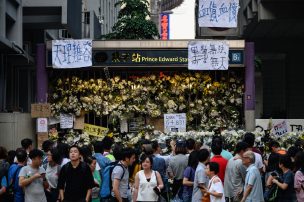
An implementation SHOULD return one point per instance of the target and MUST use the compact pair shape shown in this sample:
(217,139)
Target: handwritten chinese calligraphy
(71,53)
(208,55)
(218,13)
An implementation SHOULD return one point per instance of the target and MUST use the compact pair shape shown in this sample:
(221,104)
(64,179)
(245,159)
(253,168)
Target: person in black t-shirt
(75,181)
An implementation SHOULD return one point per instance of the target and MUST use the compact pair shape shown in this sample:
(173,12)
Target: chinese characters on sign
(218,13)
(40,110)
(280,129)
(71,53)
(66,121)
(208,55)
(165,26)
(175,122)
(93,130)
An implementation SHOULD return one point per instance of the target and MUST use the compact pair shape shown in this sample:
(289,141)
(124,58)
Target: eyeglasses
(245,157)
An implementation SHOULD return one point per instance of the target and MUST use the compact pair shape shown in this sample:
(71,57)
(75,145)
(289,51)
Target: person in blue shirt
(3,185)
(13,174)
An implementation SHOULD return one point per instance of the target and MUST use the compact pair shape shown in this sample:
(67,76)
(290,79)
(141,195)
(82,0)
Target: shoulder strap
(123,173)
(14,176)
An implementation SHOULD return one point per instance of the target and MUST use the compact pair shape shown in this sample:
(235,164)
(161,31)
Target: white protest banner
(175,122)
(280,129)
(66,121)
(293,125)
(71,53)
(208,55)
(218,13)
(42,125)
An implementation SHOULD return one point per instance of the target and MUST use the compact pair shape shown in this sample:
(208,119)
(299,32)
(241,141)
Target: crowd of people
(191,172)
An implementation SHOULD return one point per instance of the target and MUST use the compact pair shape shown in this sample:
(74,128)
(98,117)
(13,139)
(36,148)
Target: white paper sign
(66,121)
(42,125)
(280,129)
(71,53)
(293,125)
(218,13)
(208,55)
(175,122)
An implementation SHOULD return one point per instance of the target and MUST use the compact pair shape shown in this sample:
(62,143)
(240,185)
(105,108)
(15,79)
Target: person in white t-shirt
(215,188)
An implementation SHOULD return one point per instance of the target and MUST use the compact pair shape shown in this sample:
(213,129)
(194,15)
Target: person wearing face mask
(75,180)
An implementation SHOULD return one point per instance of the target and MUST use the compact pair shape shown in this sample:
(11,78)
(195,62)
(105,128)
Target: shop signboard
(175,122)
(165,26)
(218,13)
(152,58)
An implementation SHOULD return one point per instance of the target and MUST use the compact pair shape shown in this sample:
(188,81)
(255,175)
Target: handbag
(206,197)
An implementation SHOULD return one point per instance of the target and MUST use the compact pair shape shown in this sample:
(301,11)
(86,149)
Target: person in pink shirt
(299,176)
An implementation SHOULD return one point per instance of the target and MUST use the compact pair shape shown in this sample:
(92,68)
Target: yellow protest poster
(93,130)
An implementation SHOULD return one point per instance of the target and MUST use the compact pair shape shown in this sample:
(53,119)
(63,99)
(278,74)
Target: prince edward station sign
(160,54)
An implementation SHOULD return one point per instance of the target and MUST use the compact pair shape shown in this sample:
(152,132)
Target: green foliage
(132,21)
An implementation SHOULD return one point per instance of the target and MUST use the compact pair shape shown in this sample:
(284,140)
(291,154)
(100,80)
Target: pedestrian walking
(189,174)
(32,178)
(200,179)
(75,181)
(235,174)
(13,175)
(27,145)
(299,176)
(285,183)
(52,172)
(148,183)
(120,176)
(222,162)
(177,165)
(91,161)
(215,188)
(4,166)
(253,189)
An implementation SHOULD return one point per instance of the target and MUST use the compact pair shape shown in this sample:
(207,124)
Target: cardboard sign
(93,130)
(40,110)
(66,121)
(79,122)
(41,137)
(175,122)
(42,125)
(208,55)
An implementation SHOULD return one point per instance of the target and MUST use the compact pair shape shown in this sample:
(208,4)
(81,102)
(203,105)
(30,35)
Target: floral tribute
(209,104)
